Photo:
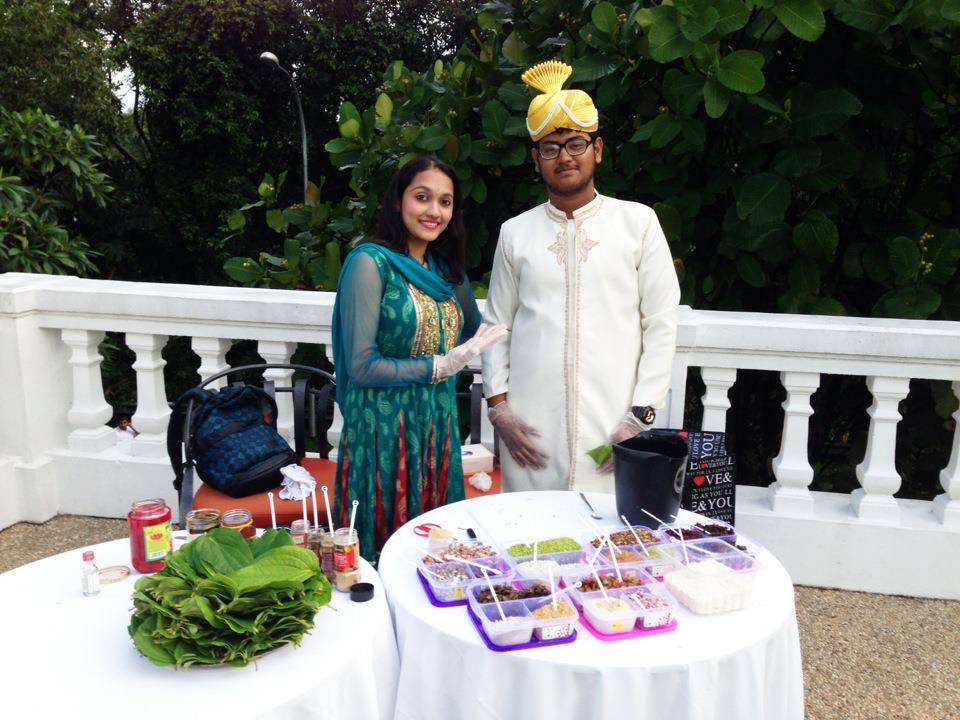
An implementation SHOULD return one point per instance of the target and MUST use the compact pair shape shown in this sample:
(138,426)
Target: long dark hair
(451,246)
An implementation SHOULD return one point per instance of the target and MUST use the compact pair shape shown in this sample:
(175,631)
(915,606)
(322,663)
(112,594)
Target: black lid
(361,591)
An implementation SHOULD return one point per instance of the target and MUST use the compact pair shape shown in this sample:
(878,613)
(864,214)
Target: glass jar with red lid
(150,538)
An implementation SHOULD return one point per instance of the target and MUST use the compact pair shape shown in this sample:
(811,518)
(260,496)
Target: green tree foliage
(52,57)
(800,159)
(48,172)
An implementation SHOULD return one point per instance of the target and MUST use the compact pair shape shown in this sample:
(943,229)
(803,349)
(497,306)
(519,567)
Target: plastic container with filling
(657,561)
(476,551)
(669,532)
(612,615)
(632,573)
(621,535)
(716,529)
(516,589)
(657,608)
(712,548)
(547,545)
(715,585)
(458,578)
(515,630)
(525,568)
(552,628)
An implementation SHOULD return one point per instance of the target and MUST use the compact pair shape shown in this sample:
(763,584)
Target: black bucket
(649,470)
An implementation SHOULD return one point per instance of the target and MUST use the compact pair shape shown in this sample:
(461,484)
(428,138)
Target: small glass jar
(150,537)
(326,555)
(346,558)
(201,521)
(299,530)
(241,520)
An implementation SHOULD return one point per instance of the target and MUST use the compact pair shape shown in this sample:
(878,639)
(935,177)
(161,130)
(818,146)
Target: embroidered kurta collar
(580,214)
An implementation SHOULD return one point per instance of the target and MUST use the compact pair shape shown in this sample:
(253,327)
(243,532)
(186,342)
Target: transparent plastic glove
(518,436)
(458,358)
(630,426)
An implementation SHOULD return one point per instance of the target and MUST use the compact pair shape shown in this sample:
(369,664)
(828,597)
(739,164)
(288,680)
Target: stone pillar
(89,411)
(877,473)
(790,493)
(153,413)
(273,351)
(212,352)
(718,382)
(946,506)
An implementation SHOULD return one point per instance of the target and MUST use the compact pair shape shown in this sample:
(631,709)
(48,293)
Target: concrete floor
(865,657)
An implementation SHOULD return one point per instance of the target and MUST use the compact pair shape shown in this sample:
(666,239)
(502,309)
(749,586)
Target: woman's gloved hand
(630,426)
(517,435)
(458,358)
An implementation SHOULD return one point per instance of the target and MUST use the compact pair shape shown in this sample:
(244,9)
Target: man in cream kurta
(590,294)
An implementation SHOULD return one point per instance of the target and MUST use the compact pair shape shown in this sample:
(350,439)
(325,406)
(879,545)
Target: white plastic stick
(303,503)
(683,545)
(316,520)
(493,594)
(596,552)
(535,545)
(273,512)
(553,587)
(418,567)
(353,515)
(613,558)
(564,591)
(326,501)
(635,536)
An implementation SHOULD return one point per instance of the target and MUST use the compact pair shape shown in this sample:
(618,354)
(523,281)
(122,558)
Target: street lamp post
(270,59)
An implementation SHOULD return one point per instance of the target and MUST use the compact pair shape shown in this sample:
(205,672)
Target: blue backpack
(233,440)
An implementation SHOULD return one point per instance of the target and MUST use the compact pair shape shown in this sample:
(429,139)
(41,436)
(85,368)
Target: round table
(66,655)
(743,665)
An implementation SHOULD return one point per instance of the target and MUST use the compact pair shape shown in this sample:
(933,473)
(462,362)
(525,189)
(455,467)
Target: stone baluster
(877,473)
(153,413)
(718,382)
(274,351)
(946,506)
(89,411)
(212,352)
(790,493)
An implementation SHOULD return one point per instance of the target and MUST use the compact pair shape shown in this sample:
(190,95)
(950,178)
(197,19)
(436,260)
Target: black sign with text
(710,488)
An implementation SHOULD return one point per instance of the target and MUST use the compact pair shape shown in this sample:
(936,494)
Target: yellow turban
(557,108)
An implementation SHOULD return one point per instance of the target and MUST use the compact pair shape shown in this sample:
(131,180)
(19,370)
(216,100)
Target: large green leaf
(804,276)
(763,198)
(667,41)
(749,268)
(797,159)
(742,71)
(951,10)
(869,15)
(823,112)
(698,24)
(243,269)
(803,18)
(604,16)
(514,95)
(839,162)
(384,108)
(904,257)
(731,16)
(279,565)
(432,138)
(494,119)
(593,67)
(515,49)
(816,236)
(943,255)
(715,98)
(912,302)
(671,221)
(221,550)
(682,91)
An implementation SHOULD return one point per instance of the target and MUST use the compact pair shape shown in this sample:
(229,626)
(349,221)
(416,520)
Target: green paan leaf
(600,453)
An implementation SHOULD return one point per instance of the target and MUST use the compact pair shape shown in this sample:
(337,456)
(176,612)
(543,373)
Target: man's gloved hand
(518,436)
(458,358)
(630,426)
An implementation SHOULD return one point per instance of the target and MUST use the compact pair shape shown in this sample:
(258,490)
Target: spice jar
(239,519)
(299,530)
(201,521)
(346,558)
(150,538)
(326,554)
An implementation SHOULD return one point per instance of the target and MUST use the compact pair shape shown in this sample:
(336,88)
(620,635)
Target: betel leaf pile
(224,599)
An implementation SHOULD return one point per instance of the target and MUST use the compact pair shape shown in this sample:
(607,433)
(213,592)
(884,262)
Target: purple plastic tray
(522,646)
(635,633)
(433,598)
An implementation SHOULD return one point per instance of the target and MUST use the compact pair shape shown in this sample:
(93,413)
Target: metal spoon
(593,513)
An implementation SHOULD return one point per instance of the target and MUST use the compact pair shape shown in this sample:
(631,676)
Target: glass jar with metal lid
(239,519)
(202,520)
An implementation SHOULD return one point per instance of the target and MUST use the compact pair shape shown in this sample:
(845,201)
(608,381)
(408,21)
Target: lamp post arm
(303,129)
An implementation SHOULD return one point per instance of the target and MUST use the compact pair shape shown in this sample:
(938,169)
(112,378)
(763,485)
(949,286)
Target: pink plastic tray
(635,633)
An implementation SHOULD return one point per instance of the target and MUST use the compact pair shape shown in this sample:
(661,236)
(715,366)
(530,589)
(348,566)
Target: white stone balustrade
(89,412)
(52,395)
(273,351)
(213,358)
(790,493)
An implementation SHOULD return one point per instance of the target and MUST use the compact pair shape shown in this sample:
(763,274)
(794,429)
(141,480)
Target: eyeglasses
(574,146)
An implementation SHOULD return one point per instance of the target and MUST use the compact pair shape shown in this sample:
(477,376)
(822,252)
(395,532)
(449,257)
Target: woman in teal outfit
(404,324)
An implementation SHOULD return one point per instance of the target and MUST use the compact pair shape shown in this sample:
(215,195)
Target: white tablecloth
(69,656)
(743,665)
